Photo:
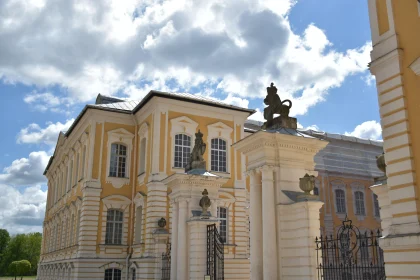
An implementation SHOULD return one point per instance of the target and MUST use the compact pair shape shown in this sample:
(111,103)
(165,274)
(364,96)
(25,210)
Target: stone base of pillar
(298,226)
(198,247)
(161,247)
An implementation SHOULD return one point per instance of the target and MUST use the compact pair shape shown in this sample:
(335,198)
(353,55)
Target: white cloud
(367,130)
(22,212)
(236,46)
(46,101)
(34,134)
(26,171)
(369,79)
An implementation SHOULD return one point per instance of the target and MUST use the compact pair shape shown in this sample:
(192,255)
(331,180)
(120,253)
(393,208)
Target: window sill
(360,217)
(221,174)
(117,182)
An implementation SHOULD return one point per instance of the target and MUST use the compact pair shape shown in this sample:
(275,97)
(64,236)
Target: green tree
(32,250)
(4,241)
(20,268)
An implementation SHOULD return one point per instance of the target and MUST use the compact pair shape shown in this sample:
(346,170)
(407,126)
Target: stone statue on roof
(196,157)
(275,105)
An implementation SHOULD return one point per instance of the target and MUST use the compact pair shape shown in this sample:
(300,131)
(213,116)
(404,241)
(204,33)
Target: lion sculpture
(275,105)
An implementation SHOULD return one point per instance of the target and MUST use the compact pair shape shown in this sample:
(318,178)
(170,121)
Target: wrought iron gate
(166,263)
(351,255)
(215,254)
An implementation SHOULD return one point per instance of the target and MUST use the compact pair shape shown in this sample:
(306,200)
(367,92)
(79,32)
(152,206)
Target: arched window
(218,155)
(360,203)
(182,150)
(222,214)
(340,201)
(133,274)
(113,274)
(118,161)
(142,165)
(376,205)
(114,224)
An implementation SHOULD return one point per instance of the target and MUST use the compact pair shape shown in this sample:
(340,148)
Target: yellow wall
(407,26)
(382,13)
(369,222)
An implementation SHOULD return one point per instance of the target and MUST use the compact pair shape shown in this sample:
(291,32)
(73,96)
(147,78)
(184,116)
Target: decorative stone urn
(380,162)
(307,183)
(162,222)
(205,203)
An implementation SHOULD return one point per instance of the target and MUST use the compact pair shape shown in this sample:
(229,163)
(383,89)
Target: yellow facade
(396,66)
(76,222)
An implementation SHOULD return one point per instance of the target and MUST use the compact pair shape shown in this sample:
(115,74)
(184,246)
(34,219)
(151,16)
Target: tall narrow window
(77,168)
(71,175)
(83,162)
(223,216)
(78,227)
(142,168)
(133,274)
(182,150)
(376,205)
(114,223)
(118,161)
(71,232)
(138,224)
(316,191)
(360,203)
(113,274)
(218,155)
(340,201)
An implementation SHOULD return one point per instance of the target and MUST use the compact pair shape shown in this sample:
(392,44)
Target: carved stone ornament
(275,105)
(380,162)
(162,222)
(307,183)
(205,203)
(196,160)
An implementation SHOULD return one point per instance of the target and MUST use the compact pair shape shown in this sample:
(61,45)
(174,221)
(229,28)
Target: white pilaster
(269,225)
(174,240)
(256,226)
(182,264)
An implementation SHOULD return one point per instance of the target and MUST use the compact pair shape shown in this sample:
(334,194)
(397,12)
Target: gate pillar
(198,246)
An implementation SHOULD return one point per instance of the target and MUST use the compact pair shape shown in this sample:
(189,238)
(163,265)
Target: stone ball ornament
(162,222)
(380,162)
(307,183)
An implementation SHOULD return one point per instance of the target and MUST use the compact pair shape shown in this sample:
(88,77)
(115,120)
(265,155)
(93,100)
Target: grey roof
(290,131)
(327,136)
(127,106)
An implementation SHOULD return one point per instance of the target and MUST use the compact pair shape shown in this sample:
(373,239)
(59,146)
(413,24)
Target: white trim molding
(181,125)
(222,131)
(119,136)
(415,66)
(117,202)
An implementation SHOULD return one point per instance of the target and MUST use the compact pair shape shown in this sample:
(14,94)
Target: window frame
(344,202)
(359,202)
(226,219)
(359,187)
(118,160)
(124,137)
(218,152)
(223,131)
(113,273)
(114,222)
(375,202)
(182,152)
(182,125)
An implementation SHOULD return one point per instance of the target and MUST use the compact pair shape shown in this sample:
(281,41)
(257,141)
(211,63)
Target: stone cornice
(415,66)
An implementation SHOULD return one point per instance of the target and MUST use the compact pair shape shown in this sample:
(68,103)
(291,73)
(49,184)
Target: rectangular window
(142,165)
(138,225)
(114,223)
(376,205)
(118,161)
(360,203)
(340,201)
(71,175)
(218,155)
(83,162)
(223,216)
(182,150)
(77,168)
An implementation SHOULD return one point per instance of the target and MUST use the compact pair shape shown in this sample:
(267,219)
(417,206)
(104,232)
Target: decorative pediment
(139,200)
(144,128)
(183,125)
(120,133)
(219,129)
(116,199)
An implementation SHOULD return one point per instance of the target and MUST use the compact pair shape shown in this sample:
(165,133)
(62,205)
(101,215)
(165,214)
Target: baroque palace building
(110,210)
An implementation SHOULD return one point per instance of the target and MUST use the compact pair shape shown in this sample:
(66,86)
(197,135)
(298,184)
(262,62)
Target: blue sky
(56,56)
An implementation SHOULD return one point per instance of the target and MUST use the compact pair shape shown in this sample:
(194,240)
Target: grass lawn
(13,278)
